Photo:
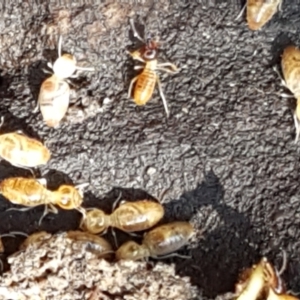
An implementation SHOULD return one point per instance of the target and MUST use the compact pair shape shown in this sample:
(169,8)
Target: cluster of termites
(128,216)
(143,215)
(159,242)
(25,152)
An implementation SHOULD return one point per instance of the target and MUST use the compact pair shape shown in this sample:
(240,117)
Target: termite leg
(59,45)
(117,201)
(85,69)
(131,85)
(172,255)
(134,234)
(241,13)
(50,65)
(165,70)
(82,211)
(279,75)
(297,125)
(46,71)
(168,64)
(20,209)
(115,237)
(138,67)
(47,210)
(1,121)
(163,97)
(81,187)
(36,109)
(280,6)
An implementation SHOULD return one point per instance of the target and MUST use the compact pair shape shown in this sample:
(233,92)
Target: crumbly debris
(56,268)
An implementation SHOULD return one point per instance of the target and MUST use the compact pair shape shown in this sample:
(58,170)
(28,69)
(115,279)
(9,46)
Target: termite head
(64,66)
(150,50)
(131,251)
(35,238)
(95,221)
(68,197)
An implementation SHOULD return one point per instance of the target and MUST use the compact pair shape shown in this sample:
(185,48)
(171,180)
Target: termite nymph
(54,95)
(128,217)
(290,64)
(259,12)
(91,243)
(54,100)
(22,151)
(145,82)
(85,240)
(158,242)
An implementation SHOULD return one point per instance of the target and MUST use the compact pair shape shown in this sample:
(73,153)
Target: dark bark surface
(226,155)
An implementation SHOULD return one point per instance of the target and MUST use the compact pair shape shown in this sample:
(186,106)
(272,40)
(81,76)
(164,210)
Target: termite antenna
(116,202)
(284,263)
(13,234)
(135,33)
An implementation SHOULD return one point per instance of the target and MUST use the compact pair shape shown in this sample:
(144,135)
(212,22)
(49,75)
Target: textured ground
(226,154)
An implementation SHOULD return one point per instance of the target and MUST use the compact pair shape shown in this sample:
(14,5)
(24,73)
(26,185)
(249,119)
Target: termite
(264,280)
(145,82)
(35,238)
(128,217)
(91,243)
(22,151)
(88,241)
(54,95)
(33,192)
(290,64)
(259,12)
(158,243)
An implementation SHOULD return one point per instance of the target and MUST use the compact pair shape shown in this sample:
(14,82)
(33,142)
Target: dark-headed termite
(54,95)
(259,12)
(145,82)
(22,151)
(158,243)
(290,64)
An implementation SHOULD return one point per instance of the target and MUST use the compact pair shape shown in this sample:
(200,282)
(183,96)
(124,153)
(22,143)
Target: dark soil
(226,155)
